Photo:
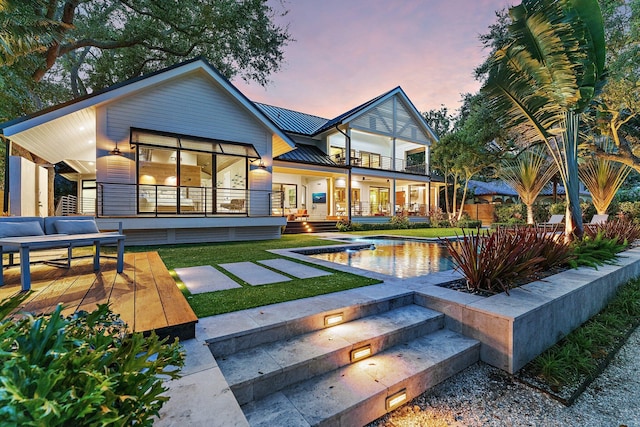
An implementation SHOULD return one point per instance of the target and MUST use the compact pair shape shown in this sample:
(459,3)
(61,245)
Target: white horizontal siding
(200,235)
(189,105)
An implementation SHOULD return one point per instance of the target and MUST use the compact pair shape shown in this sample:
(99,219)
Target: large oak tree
(55,50)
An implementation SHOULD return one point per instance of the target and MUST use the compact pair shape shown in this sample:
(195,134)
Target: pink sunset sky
(349,51)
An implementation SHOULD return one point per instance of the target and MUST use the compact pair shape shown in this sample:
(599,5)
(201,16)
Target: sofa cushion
(76,226)
(19,229)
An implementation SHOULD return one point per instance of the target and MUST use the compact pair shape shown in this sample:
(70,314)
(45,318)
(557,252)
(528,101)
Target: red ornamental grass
(496,262)
(622,230)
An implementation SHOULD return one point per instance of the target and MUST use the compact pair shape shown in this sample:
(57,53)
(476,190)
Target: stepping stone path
(294,269)
(205,278)
(254,274)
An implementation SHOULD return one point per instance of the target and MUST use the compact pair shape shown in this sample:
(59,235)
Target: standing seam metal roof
(305,153)
(292,121)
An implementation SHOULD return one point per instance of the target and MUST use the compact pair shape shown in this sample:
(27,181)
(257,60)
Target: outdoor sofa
(26,234)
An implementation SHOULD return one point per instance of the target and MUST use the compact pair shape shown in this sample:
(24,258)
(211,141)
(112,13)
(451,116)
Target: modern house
(181,155)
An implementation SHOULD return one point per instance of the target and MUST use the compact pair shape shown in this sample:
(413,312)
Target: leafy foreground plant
(84,370)
(495,262)
(597,250)
(624,231)
(578,358)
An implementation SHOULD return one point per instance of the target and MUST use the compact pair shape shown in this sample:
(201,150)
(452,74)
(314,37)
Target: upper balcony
(377,161)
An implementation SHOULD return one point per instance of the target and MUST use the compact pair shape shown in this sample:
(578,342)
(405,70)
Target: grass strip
(566,369)
(214,254)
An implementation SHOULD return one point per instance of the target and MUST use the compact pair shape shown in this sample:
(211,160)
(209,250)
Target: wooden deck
(145,295)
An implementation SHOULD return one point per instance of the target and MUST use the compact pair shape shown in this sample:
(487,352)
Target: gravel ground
(485,396)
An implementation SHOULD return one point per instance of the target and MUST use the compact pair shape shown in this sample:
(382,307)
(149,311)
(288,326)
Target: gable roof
(72,108)
(310,125)
(362,108)
(342,117)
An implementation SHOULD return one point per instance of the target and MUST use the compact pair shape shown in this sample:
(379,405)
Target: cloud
(349,52)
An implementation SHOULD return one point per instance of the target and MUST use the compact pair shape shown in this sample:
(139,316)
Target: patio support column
(348,186)
(5,196)
(51,177)
(393,154)
(428,201)
(392,208)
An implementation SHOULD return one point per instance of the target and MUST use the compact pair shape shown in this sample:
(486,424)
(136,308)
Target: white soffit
(70,137)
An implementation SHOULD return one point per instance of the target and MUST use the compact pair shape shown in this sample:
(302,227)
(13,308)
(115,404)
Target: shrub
(399,221)
(593,251)
(557,208)
(541,213)
(630,211)
(588,211)
(624,231)
(496,262)
(343,225)
(83,369)
(511,214)
(439,218)
(469,223)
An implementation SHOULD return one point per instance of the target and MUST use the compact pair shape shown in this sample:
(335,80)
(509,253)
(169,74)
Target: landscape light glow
(396,399)
(333,319)
(361,353)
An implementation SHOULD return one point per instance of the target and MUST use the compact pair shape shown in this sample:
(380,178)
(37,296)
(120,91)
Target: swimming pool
(401,258)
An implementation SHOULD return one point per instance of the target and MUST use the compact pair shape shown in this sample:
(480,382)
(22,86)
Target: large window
(178,174)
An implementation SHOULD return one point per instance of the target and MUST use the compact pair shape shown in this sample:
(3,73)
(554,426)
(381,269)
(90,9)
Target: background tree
(603,177)
(441,122)
(546,76)
(86,45)
(617,108)
(474,142)
(528,173)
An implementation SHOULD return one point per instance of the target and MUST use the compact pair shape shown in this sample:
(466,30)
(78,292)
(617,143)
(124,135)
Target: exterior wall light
(396,399)
(116,151)
(333,319)
(360,353)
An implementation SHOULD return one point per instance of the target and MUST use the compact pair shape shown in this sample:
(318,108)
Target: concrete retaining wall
(515,328)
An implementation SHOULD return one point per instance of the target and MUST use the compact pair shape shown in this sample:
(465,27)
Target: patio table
(25,244)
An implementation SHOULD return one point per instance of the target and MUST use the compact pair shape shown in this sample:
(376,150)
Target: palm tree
(528,173)
(603,178)
(546,76)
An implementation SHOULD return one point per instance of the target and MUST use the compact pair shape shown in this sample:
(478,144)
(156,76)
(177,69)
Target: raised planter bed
(515,328)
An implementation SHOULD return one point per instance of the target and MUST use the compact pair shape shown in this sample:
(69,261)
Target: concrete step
(261,370)
(357,394)
(291,323)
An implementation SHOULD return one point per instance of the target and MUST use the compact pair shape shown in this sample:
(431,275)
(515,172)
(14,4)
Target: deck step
(261,370)
(356,394)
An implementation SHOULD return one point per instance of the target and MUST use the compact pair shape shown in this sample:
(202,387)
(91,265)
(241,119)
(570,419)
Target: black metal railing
(117,199)
(375,161)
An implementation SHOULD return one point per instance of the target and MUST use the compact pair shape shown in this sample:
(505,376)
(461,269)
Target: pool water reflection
(394,257)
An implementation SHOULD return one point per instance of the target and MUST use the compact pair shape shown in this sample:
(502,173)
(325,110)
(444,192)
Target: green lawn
(248,296)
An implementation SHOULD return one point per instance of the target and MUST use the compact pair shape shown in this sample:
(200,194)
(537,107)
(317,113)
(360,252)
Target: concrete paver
(205,278)
(254,274)
(294,269)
